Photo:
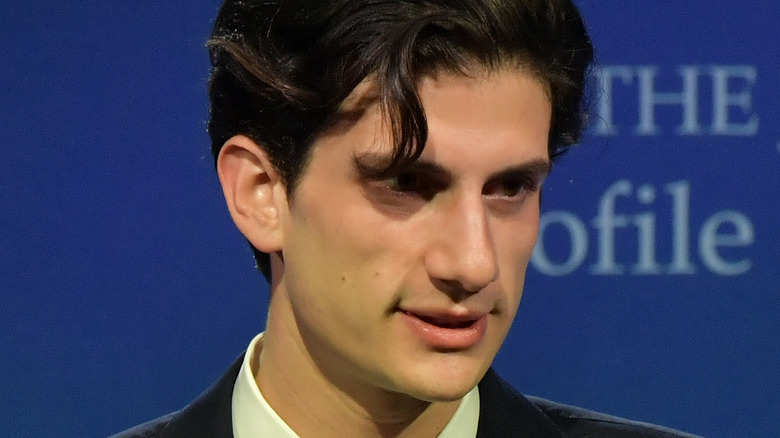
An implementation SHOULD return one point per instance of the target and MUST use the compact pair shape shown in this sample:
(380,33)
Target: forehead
(488,120)
(489,100)
(491,120)
(367,92)
(477,97)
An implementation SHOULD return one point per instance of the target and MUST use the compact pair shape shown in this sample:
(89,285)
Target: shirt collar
(254,417)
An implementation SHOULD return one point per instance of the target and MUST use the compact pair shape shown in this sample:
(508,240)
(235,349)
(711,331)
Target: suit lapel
(505,413)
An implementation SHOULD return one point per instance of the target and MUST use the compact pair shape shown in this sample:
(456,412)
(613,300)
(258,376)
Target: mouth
(444,321)
(446,332)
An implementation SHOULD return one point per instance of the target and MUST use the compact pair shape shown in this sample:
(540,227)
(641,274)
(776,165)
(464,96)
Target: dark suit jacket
(504,413)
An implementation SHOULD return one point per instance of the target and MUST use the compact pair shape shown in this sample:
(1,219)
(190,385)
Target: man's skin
(391,297)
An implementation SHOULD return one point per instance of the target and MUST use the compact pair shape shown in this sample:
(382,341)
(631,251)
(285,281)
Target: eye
(510,188)
(511,191)
(414,183)
(405,182)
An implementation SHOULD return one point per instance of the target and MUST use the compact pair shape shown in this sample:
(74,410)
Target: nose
(462,252)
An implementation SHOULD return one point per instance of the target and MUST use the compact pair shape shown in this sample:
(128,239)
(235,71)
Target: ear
(253,191)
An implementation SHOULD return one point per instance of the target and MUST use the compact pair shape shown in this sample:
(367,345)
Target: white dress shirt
(254,417)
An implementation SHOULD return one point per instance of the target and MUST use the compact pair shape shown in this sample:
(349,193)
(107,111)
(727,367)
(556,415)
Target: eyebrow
(537,168)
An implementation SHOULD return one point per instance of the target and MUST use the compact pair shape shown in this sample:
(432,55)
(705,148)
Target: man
(385,159)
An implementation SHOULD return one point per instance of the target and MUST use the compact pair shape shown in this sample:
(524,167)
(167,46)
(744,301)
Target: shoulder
(209,416)
(504,409)
(578,422)
(150,429)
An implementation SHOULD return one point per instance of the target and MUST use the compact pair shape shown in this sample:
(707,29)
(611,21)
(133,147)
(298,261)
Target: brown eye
(510,188)
(415,183)
(407,182)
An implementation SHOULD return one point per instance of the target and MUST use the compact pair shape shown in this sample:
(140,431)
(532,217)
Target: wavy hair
(281,68)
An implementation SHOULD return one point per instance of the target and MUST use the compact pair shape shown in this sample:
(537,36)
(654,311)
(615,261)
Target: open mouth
(444,332)
(447,323)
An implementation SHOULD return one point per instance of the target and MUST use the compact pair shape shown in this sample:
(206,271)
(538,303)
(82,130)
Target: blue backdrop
(126,289)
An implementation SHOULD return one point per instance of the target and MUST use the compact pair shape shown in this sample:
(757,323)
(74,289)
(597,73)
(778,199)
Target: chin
(446,384)
(444,393)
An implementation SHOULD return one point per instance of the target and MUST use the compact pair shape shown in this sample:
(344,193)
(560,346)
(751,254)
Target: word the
(726,89)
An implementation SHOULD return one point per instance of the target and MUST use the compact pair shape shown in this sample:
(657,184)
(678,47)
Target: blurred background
(126,290)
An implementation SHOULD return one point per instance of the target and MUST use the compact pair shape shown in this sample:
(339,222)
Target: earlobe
(253,192)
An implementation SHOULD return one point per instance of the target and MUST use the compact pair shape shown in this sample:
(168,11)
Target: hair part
(281,69)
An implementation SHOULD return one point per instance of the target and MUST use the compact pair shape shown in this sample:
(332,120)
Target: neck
(309,391)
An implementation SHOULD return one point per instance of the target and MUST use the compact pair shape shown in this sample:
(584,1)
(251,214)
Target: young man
(385,159)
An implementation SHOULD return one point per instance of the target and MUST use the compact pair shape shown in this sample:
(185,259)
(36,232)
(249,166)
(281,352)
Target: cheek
(516,237)
(337,251)
(515,242)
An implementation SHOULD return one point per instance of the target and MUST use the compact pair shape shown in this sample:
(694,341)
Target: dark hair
(281,68)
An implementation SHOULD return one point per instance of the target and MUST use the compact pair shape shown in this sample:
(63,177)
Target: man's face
(410,284)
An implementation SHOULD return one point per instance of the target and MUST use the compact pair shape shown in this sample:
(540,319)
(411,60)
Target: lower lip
(442,338)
